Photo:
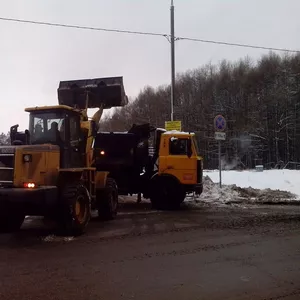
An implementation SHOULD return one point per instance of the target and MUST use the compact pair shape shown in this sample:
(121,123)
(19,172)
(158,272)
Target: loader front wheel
(108,201)
(75,209)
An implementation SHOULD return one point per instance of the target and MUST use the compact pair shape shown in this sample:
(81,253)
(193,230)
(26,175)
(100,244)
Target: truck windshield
(47,128)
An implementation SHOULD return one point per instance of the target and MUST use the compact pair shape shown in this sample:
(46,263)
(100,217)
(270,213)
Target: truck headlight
(27,158)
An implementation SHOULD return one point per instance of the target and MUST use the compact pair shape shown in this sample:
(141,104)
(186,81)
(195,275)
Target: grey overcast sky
(33,58)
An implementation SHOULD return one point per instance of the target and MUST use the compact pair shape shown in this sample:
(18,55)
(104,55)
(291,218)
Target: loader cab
(58,125)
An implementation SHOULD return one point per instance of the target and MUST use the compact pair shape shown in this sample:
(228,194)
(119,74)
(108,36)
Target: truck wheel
(167,194)
(76,209)
(108,201)
(10,221)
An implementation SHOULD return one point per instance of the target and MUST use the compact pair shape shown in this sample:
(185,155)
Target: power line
(238,45)
(82,27)
(149,34)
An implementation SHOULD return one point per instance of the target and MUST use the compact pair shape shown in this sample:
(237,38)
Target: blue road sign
(219,123)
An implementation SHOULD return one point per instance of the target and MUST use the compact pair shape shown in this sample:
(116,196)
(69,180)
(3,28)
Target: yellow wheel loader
(48,169)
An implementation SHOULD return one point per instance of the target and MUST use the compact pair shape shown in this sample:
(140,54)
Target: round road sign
(219,123)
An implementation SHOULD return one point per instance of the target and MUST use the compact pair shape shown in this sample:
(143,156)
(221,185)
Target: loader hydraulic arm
(89,129)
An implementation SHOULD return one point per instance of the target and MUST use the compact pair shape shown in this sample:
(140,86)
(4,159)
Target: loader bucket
(106,92)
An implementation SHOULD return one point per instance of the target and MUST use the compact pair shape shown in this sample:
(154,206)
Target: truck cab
(179,157)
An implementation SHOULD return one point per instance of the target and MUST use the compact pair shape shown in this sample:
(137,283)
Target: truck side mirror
(189,148)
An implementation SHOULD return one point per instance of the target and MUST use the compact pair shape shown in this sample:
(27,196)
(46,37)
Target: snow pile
(237,188)
(54,238)
(265,196)
(284,180)
(213,193)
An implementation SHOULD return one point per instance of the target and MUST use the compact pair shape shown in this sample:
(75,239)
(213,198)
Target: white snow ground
(284,180)
(270,186)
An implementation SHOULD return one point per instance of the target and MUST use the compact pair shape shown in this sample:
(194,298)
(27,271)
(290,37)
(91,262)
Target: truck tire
(75,206)
(166,193)
(108,201)
(10,221)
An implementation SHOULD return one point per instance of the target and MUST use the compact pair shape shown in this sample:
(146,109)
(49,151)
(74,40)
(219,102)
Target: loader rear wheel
(167,193)
(108,201)
(76,209)
(10,221)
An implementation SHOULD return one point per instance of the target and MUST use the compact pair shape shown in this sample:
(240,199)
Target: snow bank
(54,238)
(284,180)
(265,196)
(212,193)
(247,187)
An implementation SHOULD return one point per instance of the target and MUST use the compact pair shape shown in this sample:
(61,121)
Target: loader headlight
(29,185)
(27,158)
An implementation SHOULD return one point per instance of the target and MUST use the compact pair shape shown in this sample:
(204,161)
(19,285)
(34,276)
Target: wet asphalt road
(204,253)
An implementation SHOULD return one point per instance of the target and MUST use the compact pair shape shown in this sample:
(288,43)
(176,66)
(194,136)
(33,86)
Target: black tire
(10,221)
(107,201)
(75,209)
(166,193)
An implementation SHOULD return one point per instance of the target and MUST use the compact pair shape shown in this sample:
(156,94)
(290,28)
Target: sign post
(220,135)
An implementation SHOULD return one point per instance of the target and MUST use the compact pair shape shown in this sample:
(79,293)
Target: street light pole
(172,61)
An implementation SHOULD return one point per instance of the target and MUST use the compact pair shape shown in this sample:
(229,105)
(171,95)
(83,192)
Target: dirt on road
(200,253)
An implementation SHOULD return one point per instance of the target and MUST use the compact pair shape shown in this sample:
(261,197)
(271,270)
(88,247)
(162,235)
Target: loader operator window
(178,146)
(47,128)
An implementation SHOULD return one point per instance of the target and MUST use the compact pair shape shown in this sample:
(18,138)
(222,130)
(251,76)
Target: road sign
(220,136)
(220,123)
(173,125)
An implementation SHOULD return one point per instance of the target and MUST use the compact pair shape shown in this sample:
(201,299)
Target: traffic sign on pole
(173,125)
(220,123)
(220,135)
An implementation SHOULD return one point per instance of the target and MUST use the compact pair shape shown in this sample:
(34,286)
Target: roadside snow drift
(268,187)
(284,180)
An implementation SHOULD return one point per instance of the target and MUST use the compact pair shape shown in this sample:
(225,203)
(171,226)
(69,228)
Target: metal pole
(220,167)
(172,61)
